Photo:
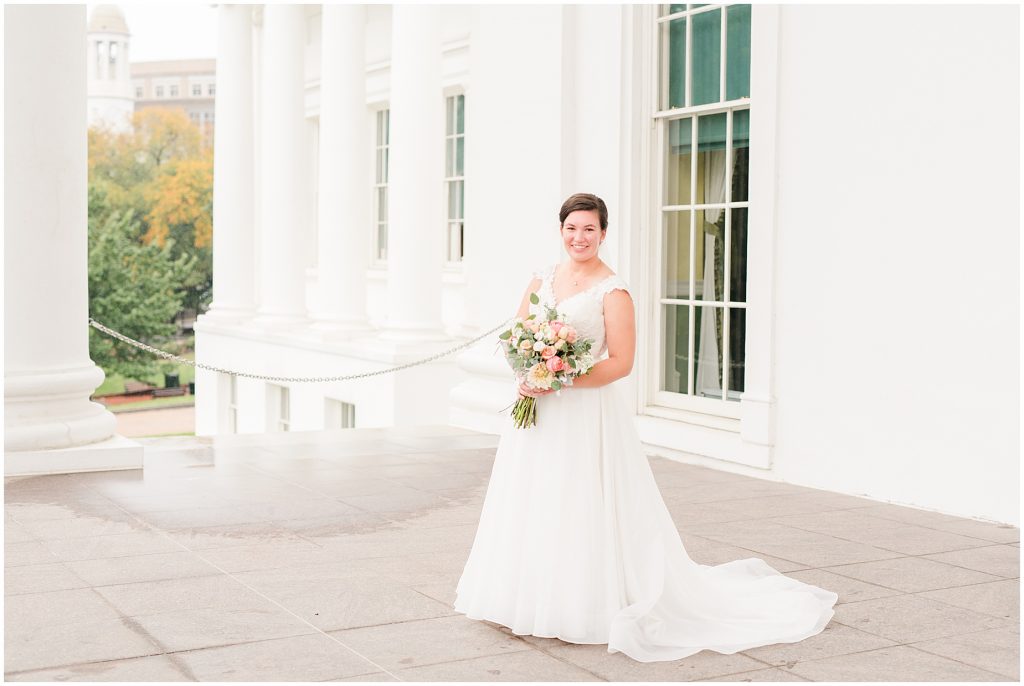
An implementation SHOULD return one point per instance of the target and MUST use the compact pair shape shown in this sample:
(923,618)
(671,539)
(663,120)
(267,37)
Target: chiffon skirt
(575,542)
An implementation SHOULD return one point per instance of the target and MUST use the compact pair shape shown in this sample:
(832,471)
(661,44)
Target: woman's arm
(620,335)
(524,306)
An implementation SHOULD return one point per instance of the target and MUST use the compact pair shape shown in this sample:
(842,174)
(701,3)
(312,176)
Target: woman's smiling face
(582,234)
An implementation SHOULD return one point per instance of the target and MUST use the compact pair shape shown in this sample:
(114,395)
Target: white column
(344,207)
(284,140)
(48,375)
(415,181)
(233,179)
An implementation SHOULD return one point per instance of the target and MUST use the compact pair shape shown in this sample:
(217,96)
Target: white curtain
(707,351)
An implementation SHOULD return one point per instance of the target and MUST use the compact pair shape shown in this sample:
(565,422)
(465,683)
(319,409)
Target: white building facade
(781,202)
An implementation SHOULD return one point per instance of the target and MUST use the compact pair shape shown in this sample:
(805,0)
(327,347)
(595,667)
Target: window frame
(451,139)
(381,144)
(713,410)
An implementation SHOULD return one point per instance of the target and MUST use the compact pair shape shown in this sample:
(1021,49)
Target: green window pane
(386,156)
(380,127)
(740,155)
(449,157)
(677,162)
(737,60)
(738,254)
(449,117)
(453,201)
(380,165)
(387,126)
(675,252)
(674,35)
(462,199)
(672,9)
(707,57)
(707,348)
(460,152)
(737,352)
(460,114)
(711,133)
(709,257)
(675,332)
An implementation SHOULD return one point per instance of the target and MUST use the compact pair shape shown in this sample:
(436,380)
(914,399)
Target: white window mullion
(692,309)
(727,249)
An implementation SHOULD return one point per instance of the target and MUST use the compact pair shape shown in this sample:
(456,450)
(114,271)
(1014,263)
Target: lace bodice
(584,310)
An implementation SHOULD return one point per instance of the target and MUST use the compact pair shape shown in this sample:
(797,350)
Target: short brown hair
(584,201)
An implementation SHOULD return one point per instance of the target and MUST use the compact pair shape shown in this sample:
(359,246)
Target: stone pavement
(334,556)
(167,420)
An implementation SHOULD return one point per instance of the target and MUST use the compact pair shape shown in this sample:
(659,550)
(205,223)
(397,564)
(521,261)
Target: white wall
(897,273)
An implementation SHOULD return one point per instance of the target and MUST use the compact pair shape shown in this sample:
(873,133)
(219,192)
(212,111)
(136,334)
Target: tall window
(703,118)
(455,181)
(174,91)
(339,414)
(138,92)
(159,91)
(197,89)
(279,407)
(211,90)
(380,186)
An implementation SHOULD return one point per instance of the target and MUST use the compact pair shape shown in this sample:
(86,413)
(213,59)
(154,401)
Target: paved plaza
(334,556)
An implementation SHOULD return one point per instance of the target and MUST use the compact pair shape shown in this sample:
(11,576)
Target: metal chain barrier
(291,379)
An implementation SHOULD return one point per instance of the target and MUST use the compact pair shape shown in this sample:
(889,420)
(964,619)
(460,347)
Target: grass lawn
(155,404)
(113,384)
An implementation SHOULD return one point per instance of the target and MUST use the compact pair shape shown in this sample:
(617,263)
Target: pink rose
(548,352)
(555,364)
(571,338)
(555,325)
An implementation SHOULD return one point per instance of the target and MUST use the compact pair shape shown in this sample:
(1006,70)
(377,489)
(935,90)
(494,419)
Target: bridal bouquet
(548,353)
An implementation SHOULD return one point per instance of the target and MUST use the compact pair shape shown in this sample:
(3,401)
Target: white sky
(159,31)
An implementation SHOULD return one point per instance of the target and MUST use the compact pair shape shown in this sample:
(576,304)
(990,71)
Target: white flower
(539,377)
(539,345)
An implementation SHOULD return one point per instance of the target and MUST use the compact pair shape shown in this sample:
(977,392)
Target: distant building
(117,88)
(109,83)
(183,84)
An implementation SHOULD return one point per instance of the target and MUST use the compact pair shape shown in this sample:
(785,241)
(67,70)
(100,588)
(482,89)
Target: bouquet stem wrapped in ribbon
(545,353)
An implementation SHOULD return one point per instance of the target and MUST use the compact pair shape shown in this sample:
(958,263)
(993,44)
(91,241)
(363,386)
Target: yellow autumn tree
(180,201)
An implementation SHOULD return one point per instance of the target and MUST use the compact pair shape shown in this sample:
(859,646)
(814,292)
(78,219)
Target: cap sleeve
(614,282)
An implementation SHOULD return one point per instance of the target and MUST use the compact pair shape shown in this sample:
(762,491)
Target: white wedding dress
(575,542)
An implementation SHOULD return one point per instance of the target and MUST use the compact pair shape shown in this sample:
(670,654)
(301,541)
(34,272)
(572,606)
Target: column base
(115,453)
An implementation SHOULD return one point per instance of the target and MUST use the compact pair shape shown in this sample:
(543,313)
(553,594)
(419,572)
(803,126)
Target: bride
(574,540)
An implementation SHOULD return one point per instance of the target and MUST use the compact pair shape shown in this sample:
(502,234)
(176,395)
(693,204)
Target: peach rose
(525,346)
(571,338)
(548,352)
(555,325)
(555,364)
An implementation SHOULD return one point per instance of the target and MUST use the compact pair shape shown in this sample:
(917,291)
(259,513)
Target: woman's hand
(529,391)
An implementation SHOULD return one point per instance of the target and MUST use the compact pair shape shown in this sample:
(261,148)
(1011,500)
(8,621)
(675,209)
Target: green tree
(160,175)
(134,288)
